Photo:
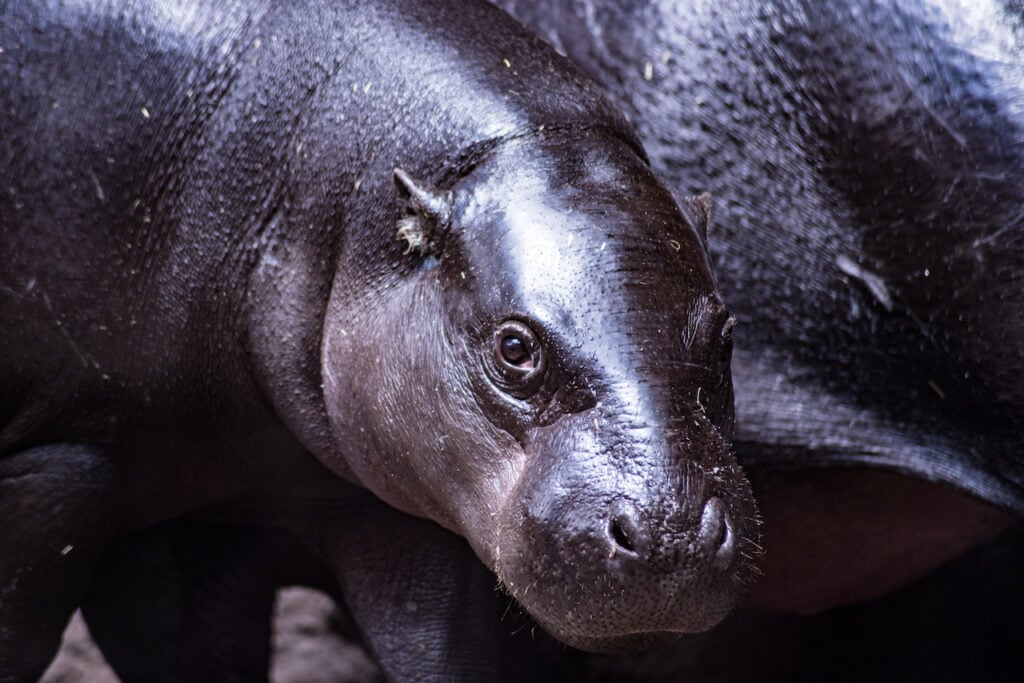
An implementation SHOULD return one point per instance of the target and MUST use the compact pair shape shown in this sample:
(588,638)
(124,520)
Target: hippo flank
(259,258)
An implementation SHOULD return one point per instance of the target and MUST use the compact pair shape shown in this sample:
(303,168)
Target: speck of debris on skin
(648,71)
(676,246)
(508,64)
(97,186)
(665,56)
(67,549)
(937,389)
(873,283)
(145,113)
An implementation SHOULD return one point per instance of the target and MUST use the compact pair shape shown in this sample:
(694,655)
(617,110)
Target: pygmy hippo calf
(275,263)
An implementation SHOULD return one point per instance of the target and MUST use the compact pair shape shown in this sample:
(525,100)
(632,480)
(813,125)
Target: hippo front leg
(58,511)
(424,603)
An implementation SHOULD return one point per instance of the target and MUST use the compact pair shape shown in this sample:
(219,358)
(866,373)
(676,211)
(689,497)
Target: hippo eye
(514,351)
(517,356)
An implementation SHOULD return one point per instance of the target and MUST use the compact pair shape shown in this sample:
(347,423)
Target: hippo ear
(700,212)
(430,213)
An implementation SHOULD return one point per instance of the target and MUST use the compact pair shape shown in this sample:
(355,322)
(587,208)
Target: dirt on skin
(306,647)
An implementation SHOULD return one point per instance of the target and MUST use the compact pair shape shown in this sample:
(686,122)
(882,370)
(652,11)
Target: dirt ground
(306,648)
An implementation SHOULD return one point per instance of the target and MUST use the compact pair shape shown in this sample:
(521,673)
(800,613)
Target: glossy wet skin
(574,357)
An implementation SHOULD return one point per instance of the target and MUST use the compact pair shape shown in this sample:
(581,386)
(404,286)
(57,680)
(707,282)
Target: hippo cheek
(616,544)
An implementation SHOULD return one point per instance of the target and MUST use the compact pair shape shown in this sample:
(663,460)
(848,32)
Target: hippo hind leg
(57,511)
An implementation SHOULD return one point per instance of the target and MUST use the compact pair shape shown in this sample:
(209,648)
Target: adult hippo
(283,263)
(868,160)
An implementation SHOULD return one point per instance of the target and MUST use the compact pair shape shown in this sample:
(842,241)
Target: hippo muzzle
(619,538)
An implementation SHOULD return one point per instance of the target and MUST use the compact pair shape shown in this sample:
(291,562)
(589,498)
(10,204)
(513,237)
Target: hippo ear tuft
(430,212)
(700,213)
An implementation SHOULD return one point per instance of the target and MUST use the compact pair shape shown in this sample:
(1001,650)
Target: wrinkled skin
(338,268)
(869,162)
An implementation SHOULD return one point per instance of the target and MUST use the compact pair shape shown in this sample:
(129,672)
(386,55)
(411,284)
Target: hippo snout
(621,548)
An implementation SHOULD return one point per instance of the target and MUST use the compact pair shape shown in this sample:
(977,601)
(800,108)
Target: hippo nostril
(716,531)
(723,535)
(619,535)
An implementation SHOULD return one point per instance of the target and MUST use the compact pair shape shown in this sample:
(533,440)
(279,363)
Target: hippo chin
(317,265)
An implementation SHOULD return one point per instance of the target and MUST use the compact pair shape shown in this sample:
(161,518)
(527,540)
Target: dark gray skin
(326,267)
(868,158)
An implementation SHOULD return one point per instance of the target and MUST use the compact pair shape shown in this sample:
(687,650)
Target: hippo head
(551,380)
